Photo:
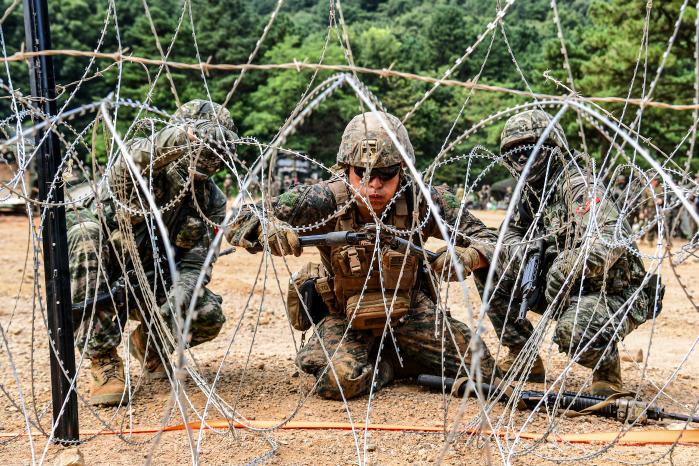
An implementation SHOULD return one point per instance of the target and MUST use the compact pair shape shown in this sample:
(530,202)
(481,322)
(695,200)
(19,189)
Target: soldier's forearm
(170,144)
(187,283)
(244,231)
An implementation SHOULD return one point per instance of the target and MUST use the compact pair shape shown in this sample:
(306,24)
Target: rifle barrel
(679,417)
(341,238)
(618,409)
(437,382)
(334,238)
(406,246)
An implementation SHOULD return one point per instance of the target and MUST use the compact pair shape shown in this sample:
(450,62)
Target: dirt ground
(260,380)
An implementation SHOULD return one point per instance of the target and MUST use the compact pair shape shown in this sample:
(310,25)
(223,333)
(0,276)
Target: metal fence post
(53,228)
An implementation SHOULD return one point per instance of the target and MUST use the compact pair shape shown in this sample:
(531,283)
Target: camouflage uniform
(98,232)
(417,334)
(612,274)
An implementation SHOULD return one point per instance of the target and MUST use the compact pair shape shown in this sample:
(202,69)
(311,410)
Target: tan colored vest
(350,265)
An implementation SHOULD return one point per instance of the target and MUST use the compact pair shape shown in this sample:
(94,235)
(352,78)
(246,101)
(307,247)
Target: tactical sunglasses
(520,154)
(383,173)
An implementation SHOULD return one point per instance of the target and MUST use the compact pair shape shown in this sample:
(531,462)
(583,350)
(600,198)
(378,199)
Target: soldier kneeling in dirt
(114,240)
(350,285)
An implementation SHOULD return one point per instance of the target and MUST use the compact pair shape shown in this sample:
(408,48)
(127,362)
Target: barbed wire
(137,202)
(302,66)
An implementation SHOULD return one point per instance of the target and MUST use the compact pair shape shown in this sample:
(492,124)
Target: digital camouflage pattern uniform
(418,334)
(98,233)
(580,225)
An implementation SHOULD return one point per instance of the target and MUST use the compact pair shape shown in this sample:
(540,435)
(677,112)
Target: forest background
(603,39)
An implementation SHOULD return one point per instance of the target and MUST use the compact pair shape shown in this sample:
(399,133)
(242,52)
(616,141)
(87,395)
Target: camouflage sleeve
(192,261)
(156,151)
(598,218)
(301,206)
(190,266)
(513,250)
(470,230)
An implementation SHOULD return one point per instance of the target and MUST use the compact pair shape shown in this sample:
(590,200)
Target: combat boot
(606,380)
(107,379)
(153,366)
(537,373)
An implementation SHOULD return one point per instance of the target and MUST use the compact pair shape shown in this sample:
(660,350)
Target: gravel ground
(259,378)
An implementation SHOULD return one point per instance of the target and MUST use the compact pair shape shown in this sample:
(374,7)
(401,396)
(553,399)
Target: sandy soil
(259,378)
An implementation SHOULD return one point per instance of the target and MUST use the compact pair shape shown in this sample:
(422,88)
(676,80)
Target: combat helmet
(366,143)
(527,127)
(199,109)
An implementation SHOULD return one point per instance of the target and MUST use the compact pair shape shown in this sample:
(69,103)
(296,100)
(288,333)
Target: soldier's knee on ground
(587,331)
(355,379)
(434,353)
(347,372)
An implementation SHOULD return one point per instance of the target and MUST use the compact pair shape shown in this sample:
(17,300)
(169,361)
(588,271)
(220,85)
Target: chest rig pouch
(358,281)
(309,297)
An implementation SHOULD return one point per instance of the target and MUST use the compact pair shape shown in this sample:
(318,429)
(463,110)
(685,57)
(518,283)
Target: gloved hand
(282,239)
(469,258)
(215,134)
(244,233)
(565,270)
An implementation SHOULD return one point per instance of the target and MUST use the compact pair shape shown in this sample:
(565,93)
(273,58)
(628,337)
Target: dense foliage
(603,40)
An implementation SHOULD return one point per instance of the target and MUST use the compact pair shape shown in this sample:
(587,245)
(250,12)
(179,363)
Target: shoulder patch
(288,199)
(582,210)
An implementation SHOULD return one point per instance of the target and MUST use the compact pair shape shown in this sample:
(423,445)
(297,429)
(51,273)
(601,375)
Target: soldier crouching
(356,295)
(593,282)
(113,236)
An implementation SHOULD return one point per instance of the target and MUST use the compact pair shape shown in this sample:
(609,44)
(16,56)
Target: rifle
(119,294)
(367,237)
(530,286)
(622,409)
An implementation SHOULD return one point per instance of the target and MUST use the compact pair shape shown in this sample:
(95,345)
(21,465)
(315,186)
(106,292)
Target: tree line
(603,41)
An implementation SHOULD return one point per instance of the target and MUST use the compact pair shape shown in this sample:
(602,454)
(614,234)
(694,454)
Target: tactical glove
(565,270)
(282,239)
(215,134)
(244,234)
(469,258)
